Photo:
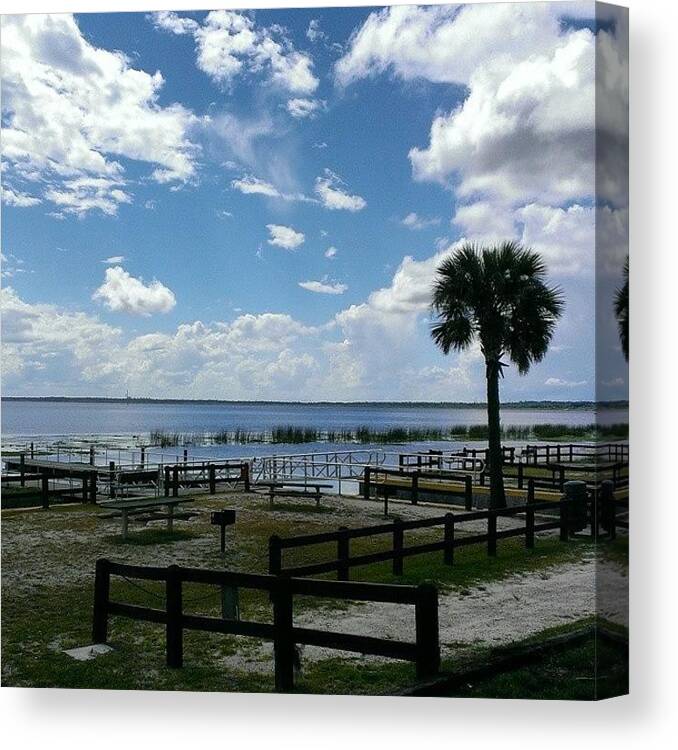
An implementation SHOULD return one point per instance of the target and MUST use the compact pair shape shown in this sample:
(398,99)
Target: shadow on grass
(153,536)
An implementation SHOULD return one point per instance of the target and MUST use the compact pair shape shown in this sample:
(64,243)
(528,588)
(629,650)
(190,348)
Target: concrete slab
(85,653)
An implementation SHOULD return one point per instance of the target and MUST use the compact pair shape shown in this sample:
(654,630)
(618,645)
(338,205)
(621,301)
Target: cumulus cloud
(525,132)
(114,260)
(72,110)
(229,44)
(443,43)
(332,195)
(331,252)
(416,222)
(121,292)
(303,108)
(323,287)
(285,237)
(168,20)
(18,199)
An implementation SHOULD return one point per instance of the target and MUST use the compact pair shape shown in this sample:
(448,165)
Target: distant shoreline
(546,405)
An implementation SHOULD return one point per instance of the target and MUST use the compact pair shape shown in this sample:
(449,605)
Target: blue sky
(252,205)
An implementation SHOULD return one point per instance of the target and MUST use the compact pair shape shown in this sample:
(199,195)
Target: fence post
(213,479)
(342,554)
(415,487)
(468,492)
(102,587)
(111,478)
(185,455)
(91,455)
(44,490)
(274,555)
(245,473)
(398,538)
(174,633)
(22,469)
(520,476)
(448,550)
(85,489)
(529,516)
(32,451)
(608,510)
(428,645)
(167,481)
(492,533)
(143,456)
(175,481)
(366,483)
(283,638)
(563,520)
(93,488)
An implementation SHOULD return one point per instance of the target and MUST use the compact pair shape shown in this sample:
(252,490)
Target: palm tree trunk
(497,494)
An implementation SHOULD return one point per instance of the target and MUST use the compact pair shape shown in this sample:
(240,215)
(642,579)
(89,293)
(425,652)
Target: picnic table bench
(147,509)
(294,489)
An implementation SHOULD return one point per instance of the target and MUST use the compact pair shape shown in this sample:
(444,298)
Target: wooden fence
(372,473)
(424,652)
(569,519)
(211,474)
(376,477)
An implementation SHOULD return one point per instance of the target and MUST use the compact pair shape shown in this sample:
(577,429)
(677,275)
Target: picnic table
(294,489)
(146,509)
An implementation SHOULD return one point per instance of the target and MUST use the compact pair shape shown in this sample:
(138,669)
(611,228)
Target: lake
(48,418)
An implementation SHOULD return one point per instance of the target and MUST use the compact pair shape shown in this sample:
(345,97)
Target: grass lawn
(48,570)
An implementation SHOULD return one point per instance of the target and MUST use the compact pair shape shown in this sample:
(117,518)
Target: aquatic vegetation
(364,434)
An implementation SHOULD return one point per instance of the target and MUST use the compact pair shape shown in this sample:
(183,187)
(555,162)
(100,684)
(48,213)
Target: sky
(253,205)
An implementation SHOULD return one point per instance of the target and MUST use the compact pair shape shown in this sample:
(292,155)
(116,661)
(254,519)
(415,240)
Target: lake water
(45,418)
(118,429)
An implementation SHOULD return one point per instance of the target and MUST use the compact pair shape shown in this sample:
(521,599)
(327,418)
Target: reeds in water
(294,434)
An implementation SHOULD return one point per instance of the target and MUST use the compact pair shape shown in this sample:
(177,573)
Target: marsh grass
(364,434)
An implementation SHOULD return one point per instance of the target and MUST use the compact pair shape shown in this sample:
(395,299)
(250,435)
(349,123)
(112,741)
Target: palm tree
(621,311)
(497,295)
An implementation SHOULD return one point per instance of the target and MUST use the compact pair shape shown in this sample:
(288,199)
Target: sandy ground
(46,548)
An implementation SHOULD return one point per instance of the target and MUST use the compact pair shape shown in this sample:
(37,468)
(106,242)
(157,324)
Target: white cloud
(314,32)
(72,110)
(323,287)
(331,252)
(416,222)
(114,260)
(334,197)
(168,20)
(560,383)
(229,44)
(565,238)
(302,108)
(83,194)
(44,333)
(250,185)
(121,292)
(18,199)
(525,132)
(285,237)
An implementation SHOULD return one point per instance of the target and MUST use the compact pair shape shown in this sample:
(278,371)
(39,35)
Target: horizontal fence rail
(424,651)
(573,516)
